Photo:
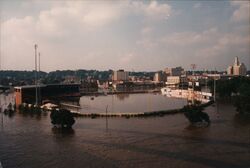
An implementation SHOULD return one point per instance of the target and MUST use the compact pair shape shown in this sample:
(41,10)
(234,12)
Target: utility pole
(36,74)
(0,65)
(39,78)
(0,36)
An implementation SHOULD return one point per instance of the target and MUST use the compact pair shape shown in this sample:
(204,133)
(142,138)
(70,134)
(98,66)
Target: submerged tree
(62,118)
(195,114)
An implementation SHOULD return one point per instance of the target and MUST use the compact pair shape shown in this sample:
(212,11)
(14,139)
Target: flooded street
(169,141)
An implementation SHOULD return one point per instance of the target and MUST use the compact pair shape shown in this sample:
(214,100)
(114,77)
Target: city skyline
(130,35)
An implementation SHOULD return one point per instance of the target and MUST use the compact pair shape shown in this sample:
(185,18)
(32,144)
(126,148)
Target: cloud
(197,5)
(146,30)
(190,38)
(65,29)
(98,34)
(126,59)
(66,17)
(152,10)
(209,45)
(156,10)
(242,13)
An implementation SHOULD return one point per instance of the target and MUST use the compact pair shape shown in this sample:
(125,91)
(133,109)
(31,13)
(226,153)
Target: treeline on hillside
(16,78)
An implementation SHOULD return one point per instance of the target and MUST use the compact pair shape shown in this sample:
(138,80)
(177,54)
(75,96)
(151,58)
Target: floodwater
(28,141)
(129,103)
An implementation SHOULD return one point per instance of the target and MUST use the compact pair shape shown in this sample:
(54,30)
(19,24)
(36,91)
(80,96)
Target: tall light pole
(39,82)
(1,36)
(36,46)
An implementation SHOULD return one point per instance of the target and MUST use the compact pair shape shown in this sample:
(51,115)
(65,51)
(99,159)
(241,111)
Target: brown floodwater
(30,141)
(128,103)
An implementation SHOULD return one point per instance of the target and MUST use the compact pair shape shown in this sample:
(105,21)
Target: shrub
(195,114)
(62,118)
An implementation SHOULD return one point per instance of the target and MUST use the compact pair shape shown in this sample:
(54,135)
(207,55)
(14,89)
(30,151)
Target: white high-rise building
(238,69)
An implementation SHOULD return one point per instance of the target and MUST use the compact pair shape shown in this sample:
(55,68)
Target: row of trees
(27,77)
(237,89)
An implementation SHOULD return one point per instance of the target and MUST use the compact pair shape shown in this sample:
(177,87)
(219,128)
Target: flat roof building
(27,94)
(178,71)
(120,75)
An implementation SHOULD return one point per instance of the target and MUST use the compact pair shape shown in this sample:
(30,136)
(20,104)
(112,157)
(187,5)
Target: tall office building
(237,69)
(178,71)
(120,75)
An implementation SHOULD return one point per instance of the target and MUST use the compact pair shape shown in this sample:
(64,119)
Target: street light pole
(36,74)
(39,79)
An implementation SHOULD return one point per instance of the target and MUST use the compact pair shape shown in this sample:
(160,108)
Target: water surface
(129,103)
(30,141)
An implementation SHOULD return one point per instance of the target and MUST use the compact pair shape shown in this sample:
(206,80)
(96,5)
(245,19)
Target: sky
(125,34)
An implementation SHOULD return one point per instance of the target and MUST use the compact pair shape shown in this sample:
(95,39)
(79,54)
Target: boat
(166,91)
(204,97)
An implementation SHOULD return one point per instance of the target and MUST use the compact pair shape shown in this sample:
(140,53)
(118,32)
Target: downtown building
(177,71)
(120,75)
(237,69)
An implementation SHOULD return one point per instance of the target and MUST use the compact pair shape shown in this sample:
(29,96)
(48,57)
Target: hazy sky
(132,35)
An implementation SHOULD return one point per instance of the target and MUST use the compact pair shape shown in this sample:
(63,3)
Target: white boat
(204,97)
(166,91)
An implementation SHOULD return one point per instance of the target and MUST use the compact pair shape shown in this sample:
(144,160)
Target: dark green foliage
(229,87)
(195,114)
(25,108)
(18,78)
(63,118)
(239,89)
(242,100)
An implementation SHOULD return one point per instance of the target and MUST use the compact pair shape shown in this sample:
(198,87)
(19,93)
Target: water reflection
(122,96)
(133,103)
(9,113)
(63,131)
(30,114)
(241,119)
